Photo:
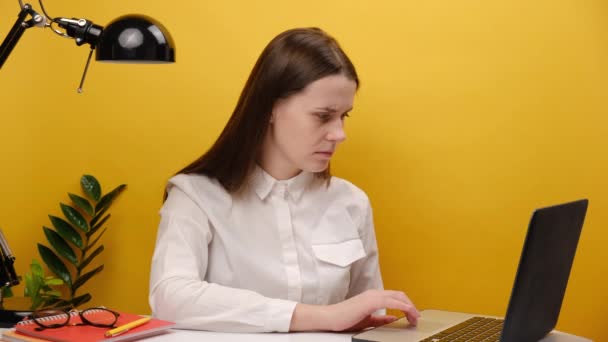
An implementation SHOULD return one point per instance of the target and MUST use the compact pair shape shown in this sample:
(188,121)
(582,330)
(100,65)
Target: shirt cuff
(279,315)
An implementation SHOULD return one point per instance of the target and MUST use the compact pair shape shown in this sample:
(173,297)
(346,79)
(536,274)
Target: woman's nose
(336,132)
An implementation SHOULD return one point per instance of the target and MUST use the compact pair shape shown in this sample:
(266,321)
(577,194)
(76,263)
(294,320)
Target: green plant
(7,292)
(73,241)
(38,286)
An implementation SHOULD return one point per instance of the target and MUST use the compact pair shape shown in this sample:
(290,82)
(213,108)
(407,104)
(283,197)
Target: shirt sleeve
(178,291)
(365,273)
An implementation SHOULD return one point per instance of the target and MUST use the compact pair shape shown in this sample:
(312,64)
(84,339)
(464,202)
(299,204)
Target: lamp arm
(8,276)
(17,30)
(13,36)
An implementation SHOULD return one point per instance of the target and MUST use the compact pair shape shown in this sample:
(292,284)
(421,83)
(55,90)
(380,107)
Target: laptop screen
(543,271)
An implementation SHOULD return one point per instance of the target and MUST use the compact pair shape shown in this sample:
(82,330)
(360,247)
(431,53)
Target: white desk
(195,336)
(192,336)
(175,335)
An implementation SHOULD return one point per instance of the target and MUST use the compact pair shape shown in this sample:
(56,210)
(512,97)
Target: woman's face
(307,127)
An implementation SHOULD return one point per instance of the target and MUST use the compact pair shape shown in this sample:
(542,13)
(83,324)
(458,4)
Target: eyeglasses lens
(59,318)
(100,317)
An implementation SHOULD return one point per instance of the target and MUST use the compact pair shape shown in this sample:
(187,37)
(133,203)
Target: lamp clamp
(82,30)
(36,19)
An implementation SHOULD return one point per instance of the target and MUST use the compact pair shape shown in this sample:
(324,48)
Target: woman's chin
(317,167)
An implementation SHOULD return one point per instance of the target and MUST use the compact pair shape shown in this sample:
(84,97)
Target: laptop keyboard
(475,329)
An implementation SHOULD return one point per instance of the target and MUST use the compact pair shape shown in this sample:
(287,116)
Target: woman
(255,235)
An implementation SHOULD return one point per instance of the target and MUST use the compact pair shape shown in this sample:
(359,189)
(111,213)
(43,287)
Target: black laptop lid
(544,268)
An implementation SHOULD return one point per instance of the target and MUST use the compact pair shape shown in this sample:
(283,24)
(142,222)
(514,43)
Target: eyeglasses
(56,318)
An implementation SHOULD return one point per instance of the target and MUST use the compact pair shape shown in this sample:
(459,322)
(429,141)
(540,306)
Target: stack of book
(128,327)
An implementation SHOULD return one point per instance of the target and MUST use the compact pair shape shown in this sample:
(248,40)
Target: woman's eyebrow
(331,110)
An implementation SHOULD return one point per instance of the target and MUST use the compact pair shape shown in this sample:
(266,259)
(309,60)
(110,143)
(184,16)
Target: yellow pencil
(126,327)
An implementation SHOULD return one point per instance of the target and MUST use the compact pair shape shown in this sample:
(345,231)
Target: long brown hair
(291,61)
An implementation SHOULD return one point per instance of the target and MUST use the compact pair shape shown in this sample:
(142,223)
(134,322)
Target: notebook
(89,333)
(13,336)
(536,297)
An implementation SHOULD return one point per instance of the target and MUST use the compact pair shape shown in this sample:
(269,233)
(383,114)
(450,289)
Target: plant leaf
(88,260)
(55,264)
(26,290)
(32,286)
(52,293)
(77,301)
(36,268)
(66,231)
(53,281)
(51,301)
(82,203)
(108,198)
(74,217)
(91,244)
(98,216)
(36,302)
(98,225)
(90,186)
(85,277)
(60,245)
(7,292)
(59,303)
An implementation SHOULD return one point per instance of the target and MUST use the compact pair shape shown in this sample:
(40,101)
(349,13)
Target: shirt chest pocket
(336,246)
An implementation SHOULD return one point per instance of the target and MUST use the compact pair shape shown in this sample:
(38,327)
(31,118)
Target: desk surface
(177,335)
(192,335)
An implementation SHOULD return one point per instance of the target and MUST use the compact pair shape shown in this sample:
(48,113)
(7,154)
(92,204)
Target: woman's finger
(401,296)
(376,321)
(391,303)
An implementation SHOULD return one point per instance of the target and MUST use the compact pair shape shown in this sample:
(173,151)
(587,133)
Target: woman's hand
(355,313)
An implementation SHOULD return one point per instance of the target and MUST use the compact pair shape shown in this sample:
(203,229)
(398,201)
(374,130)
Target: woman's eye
(323,116)
(345,115)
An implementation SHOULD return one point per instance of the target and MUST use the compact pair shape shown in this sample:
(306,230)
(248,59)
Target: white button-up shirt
(241,263)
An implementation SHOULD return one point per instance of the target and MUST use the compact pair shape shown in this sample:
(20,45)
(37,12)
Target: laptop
(536,297)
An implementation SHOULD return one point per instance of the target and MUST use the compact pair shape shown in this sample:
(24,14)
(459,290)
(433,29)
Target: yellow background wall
(470,114)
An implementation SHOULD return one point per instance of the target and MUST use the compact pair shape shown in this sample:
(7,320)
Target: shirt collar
(263,183)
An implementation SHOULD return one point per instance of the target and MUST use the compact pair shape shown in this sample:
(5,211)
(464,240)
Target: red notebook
(89,333)
(13,336)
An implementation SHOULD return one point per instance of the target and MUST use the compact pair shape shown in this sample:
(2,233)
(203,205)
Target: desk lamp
(9,278)
(132,38)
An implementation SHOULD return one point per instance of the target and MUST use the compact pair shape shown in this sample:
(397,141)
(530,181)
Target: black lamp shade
(135,38)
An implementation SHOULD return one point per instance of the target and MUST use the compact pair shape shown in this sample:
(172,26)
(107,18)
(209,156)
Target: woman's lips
(326,154)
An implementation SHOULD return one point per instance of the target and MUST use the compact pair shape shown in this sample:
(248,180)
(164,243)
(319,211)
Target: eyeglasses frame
(70,312)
